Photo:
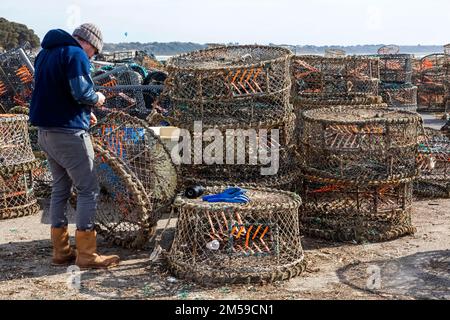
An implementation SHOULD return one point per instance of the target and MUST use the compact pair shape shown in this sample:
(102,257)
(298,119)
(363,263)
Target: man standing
(61,108)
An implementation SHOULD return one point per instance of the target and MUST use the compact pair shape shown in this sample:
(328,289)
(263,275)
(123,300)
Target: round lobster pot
(434,68)
(229,85)
(317,78)
(396,68)
(305,106)
(134,142)
(434,165)
(361,145)
(221,243)
(431,97)
(342,212)
(17,197)
(399,96)
(15,147)
(334,53)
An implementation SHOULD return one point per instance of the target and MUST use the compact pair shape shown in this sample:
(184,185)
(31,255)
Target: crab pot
(306,105)
(396,68)
(17,197)
(399,96)
(15,146)
(229,85)
(334,53)
(434,165)
(16,79)
(360,145)
(361,213)
(317,78)
(431,97)
(133,143)
(222,243)
(434,68)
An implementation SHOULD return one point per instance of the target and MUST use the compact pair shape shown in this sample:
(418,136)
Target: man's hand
(93,120)
(101,99)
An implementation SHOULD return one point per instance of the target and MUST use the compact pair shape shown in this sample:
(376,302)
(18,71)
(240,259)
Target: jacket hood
(58,38)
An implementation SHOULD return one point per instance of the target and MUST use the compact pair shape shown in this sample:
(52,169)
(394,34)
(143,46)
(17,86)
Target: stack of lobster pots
(358,165)
(233,106)
(396,72)
(17,165)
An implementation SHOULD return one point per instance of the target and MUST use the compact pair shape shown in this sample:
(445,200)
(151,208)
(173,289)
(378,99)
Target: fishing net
(133,142)
(399,96)
(389,49)
(229,85)
(396,68)
(369,146)
(17,197)
(434,165)
(15,147)
(319,78)
(361,213)
(219,243)
(16,79)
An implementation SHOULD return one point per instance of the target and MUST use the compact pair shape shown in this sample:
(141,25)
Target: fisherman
(62,109)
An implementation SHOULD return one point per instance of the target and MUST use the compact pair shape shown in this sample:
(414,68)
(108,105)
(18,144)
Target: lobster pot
(238,155)
(123,75)
(434,165)
(360,145)
(334,53)
(220,243)
(318,78)
(16,79)
(361,213)
(400,97)
(305,105)
(434,69)
(229,85)
(17,197)
(396,68)
(132,142)
(15,147)
(431,97)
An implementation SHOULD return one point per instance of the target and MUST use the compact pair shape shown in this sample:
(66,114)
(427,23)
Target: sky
(301,22)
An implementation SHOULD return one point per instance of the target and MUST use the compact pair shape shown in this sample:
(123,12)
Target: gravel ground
(414,267)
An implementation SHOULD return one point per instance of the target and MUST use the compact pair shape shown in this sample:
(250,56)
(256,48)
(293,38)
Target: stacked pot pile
(218,95)
(358,166)
(433,86)
(17,163)
(396,88)
(320,82)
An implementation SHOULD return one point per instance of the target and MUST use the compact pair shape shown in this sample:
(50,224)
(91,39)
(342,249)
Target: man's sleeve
(80,81)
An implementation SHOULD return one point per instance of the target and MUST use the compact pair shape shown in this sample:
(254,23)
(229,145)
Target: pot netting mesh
(15,147)
(233,243)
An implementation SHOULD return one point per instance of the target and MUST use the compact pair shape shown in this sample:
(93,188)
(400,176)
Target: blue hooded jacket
(64,94)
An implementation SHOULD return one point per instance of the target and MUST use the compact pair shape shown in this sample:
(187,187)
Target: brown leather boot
(63,254)
(87,257)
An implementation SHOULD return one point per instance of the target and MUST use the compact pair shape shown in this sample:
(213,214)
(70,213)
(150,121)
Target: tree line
(13,35)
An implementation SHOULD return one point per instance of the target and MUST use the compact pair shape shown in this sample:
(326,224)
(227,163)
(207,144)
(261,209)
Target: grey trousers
(71,160)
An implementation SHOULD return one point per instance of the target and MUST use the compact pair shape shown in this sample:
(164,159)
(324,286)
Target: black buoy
(194,192)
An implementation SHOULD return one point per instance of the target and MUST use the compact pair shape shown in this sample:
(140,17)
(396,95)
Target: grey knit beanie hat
(90,33)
